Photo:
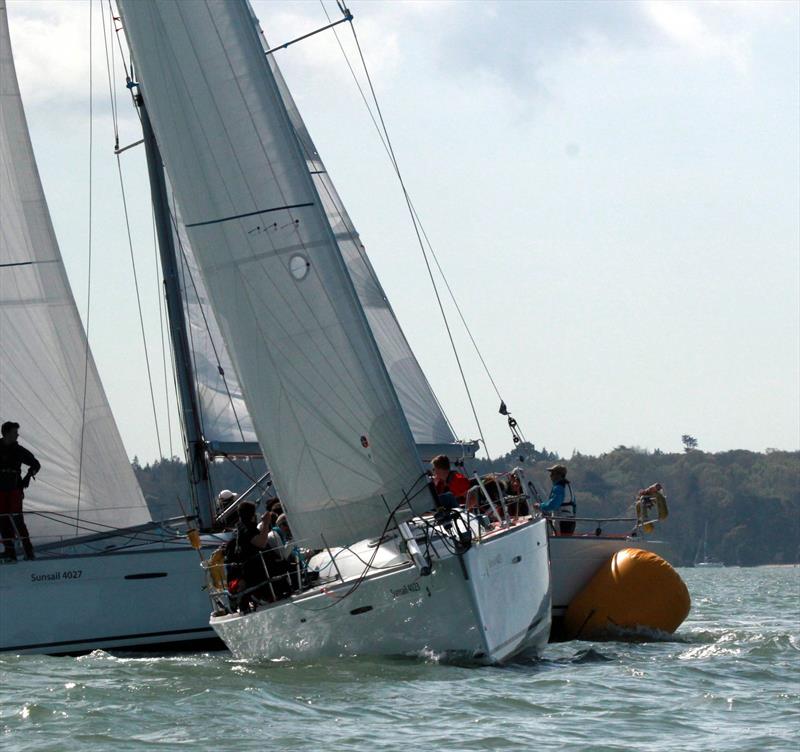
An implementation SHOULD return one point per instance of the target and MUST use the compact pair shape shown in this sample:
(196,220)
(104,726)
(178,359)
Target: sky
(612,189)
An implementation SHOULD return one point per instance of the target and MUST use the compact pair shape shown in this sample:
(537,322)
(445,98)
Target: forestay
(323,406)
(43,346)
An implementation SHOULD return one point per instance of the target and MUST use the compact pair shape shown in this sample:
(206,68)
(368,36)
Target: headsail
(421,408)
(43,351)
(323,406)
(225,415)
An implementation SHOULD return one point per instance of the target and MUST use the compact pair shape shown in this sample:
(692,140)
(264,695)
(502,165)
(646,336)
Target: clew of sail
(44,351)
(322,403)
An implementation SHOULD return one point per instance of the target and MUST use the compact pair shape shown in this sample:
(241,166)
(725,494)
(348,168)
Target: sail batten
(321,401)
(82,485)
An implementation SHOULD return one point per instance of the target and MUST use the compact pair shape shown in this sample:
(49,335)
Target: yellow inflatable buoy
(633,591)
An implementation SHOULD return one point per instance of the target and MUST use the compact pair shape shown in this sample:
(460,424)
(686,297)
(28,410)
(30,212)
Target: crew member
(447,480)
(247,551)
(561,502)
(225,499)
(280,542)
(12,485)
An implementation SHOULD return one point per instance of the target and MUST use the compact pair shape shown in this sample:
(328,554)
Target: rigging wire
(139,305)
(109,65)
(419,238)
(365,573)
(88,283)
(185,266)
(114,31)
(129,75)
(341,213)
(414,211)
(111,75)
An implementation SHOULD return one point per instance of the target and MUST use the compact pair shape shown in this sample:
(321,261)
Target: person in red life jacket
(447,480)
(12,458)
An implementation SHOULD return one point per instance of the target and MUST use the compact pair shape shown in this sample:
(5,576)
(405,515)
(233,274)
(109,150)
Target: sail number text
(67,574)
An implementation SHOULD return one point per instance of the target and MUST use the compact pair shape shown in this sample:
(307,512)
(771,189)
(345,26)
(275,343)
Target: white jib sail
(225,417)
(323,406)
(43,352)
(422,410)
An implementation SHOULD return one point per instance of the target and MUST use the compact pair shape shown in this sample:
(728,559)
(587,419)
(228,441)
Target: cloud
(50,42)
(519,43)
(697,29)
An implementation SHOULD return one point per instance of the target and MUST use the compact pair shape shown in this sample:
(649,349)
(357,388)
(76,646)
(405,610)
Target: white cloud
(700,29)
(49,41)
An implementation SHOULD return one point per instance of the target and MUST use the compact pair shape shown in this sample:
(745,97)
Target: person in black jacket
(249,552)
(12,485)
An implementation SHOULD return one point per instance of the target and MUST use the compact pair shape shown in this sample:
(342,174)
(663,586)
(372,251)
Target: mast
(197,464)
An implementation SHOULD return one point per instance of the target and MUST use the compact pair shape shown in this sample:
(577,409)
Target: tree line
(749,502)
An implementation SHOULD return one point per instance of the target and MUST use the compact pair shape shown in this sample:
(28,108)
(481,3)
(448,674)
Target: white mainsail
(43,353)
(323,406)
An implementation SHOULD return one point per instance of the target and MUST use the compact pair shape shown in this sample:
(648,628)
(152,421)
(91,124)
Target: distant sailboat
(705,561)
(320,386)
(106,575)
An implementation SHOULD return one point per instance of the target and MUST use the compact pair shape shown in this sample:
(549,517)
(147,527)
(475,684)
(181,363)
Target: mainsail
(223,411)
(43,353)
(323,406)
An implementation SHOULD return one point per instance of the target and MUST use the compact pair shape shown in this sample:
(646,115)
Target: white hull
(147,595)
(496,606)
(574,559)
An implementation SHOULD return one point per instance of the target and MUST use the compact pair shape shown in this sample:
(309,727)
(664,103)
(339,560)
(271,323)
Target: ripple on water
(727,681)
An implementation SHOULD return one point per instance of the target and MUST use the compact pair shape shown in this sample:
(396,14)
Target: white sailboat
(326,411)
(705,562)
(105,574)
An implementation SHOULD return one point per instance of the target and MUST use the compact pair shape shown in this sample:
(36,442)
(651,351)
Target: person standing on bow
(12,485)
(561,502)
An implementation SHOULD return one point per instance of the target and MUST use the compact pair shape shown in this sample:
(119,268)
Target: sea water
(728,680)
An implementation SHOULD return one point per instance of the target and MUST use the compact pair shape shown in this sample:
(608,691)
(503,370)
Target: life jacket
(455,483)
(567,508)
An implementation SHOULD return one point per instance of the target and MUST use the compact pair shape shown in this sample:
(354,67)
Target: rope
(339,598)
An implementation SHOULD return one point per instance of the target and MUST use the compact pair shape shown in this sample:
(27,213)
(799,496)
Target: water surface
(728,680)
